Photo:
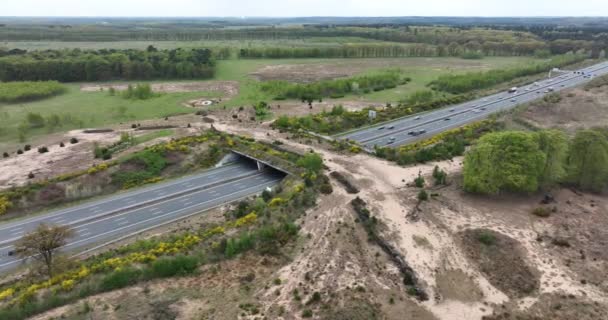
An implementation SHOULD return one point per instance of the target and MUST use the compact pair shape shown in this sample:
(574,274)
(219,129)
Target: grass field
(421,70)
(89,109)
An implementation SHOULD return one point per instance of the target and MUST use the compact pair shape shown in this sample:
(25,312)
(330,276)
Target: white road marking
(136,223)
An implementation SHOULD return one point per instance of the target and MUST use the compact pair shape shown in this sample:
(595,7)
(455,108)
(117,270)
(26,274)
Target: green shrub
(423,195)
(541,212)
(139,92)
(440,176)
(120,279)
(149,165)
(172,266)
(472,55)
(419,181)
(486,237)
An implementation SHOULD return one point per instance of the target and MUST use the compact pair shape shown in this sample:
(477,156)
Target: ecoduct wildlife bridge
(261,164)
(110,219)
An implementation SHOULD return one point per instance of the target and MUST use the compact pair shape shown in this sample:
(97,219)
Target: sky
(299,8)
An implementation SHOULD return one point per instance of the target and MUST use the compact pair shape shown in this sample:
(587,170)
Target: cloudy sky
(290,8)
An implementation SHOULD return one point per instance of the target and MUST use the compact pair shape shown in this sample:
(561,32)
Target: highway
(110,219)
(424,125)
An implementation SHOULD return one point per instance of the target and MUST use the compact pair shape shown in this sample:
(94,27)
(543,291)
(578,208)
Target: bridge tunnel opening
(254,163)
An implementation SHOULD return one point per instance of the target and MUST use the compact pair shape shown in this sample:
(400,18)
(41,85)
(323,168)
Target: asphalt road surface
(113,218)
(410,129)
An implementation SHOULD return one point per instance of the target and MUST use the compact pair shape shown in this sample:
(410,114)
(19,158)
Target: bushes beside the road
(22,91)
(339,119)
(462,83)
(443,146)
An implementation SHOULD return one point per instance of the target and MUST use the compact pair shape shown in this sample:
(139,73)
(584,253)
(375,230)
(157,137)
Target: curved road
(423,125)
(113,218)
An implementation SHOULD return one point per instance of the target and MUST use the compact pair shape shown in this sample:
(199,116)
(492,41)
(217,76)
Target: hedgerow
(29,90)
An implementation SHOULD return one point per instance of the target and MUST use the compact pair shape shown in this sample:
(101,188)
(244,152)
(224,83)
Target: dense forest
(79,65)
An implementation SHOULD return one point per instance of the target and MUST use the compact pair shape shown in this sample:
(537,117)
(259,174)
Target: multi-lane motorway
(407,130)
(110,219)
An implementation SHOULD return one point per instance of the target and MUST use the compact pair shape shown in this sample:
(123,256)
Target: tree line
(334,88)
(446,40)
(94,65)
(460,83)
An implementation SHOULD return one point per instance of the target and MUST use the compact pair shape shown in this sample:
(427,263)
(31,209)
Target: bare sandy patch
(311,72)
(227,88)
(578,109)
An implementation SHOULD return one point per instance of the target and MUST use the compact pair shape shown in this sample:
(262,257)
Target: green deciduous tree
(311,161)
(504,161)
(588,160)
(554,144)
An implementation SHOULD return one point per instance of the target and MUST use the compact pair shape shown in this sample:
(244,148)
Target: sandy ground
(228,88)
(75,157)
(591,110)
(310,72)
(335,259)
(439,222)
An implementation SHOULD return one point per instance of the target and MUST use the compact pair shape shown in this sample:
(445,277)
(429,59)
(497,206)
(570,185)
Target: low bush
(172,266)
(419,181)
(120,279)
(43,150)
(423,195)
(486,237)
(541,212)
